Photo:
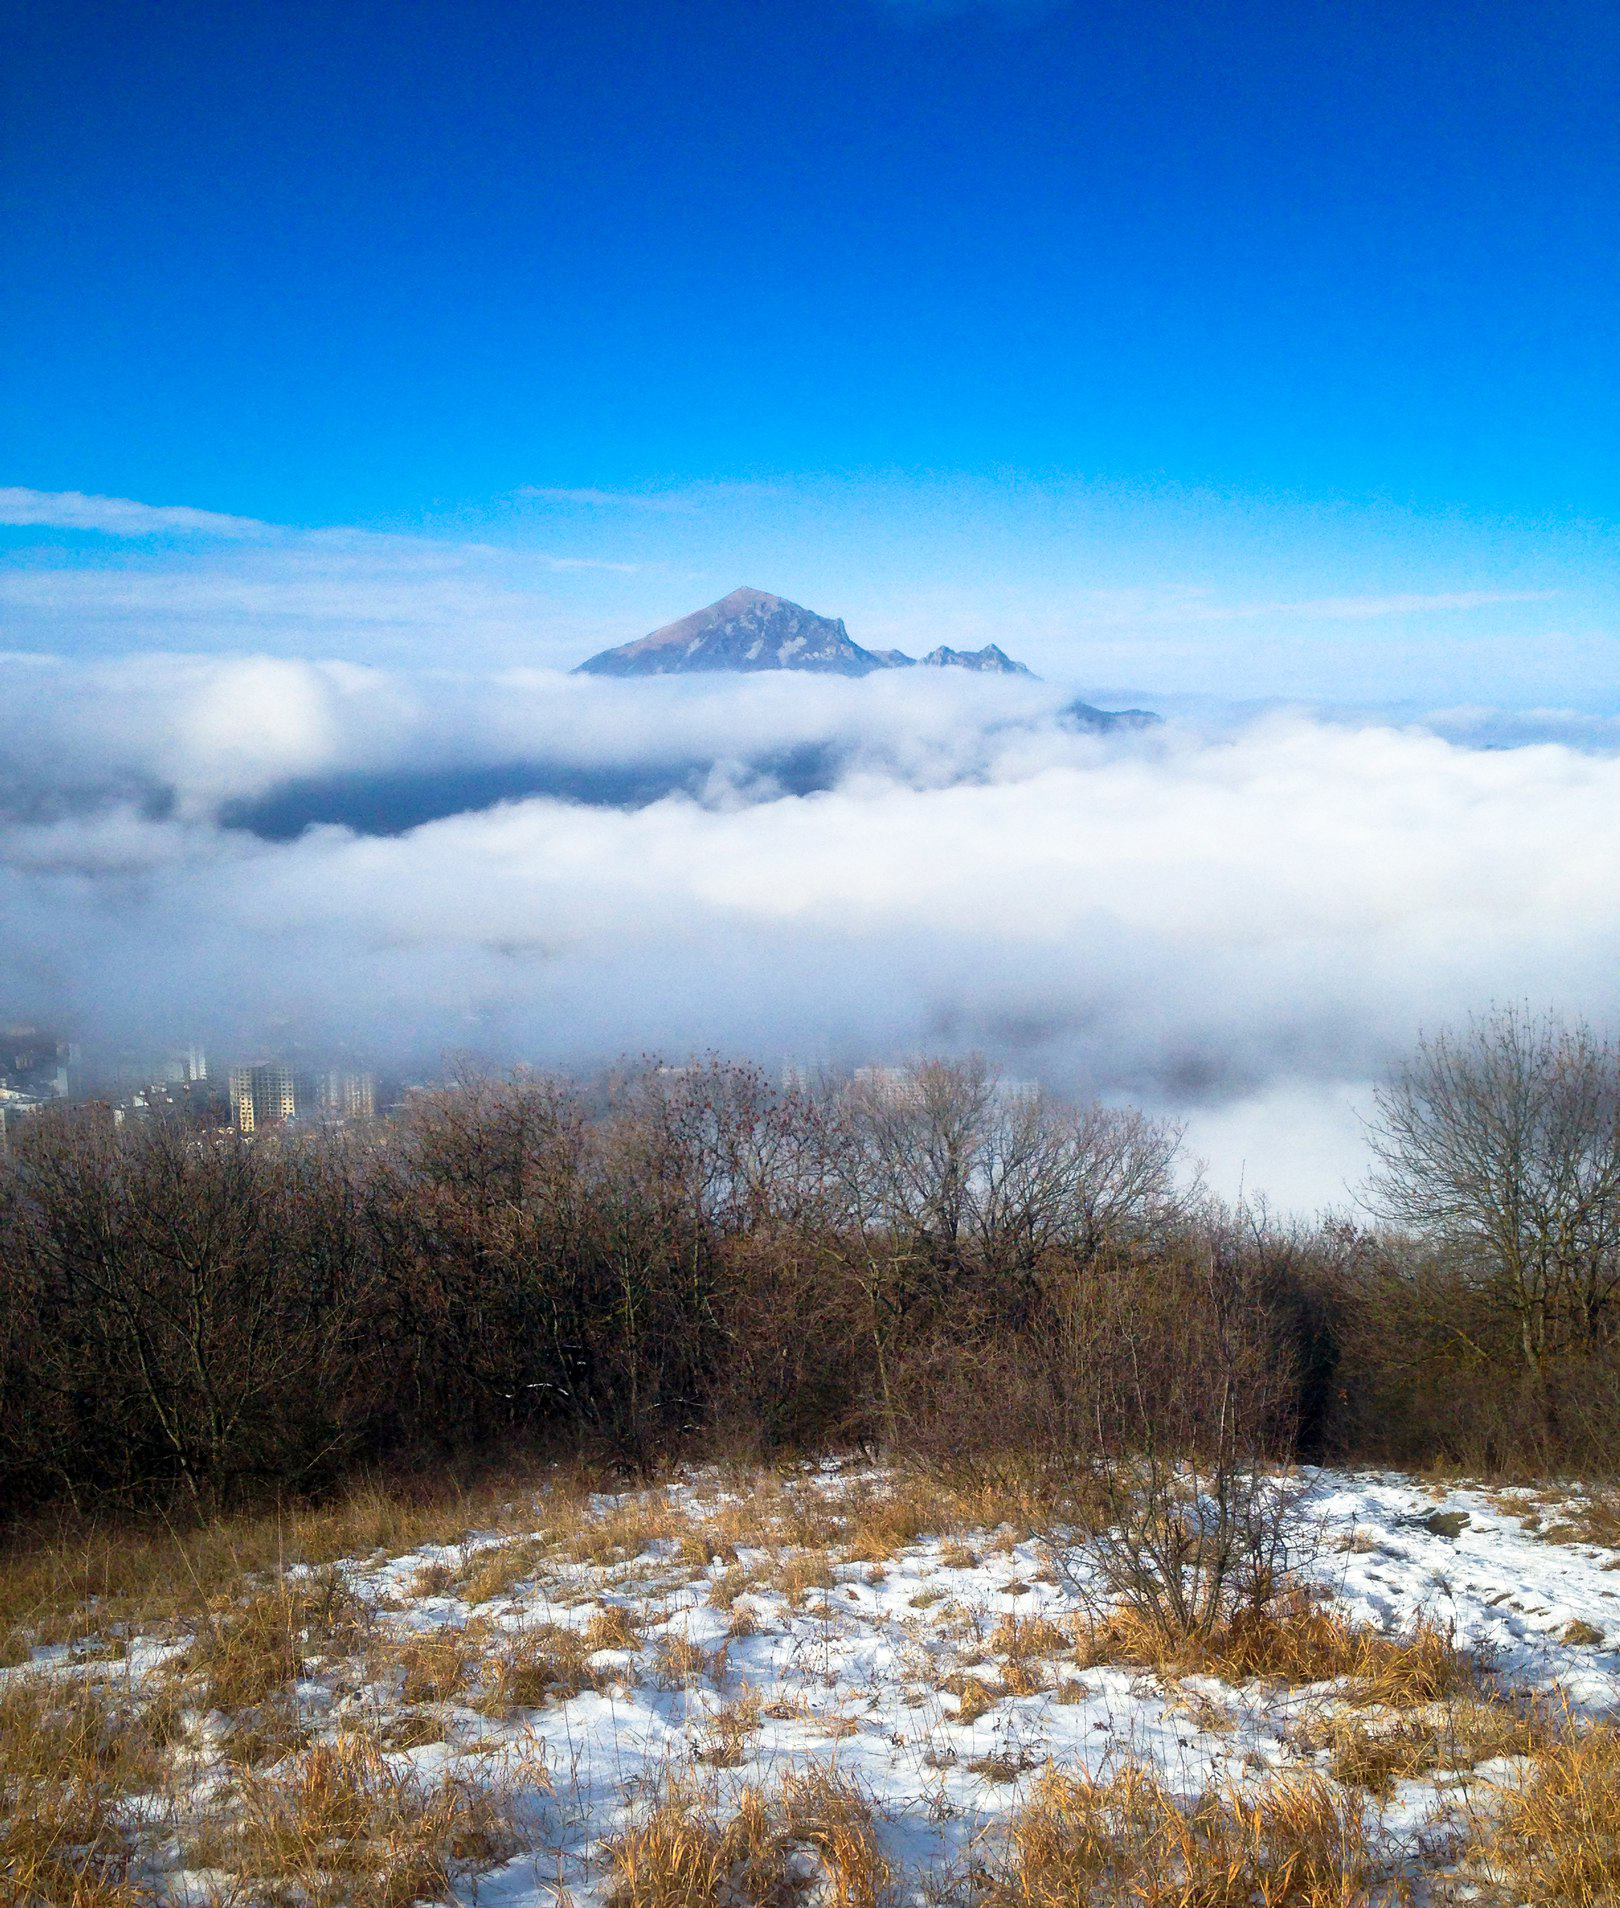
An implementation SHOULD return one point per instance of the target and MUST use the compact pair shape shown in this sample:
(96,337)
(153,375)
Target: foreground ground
(835,1685)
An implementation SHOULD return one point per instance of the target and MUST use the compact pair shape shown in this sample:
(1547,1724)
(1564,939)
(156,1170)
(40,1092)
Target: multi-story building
(263,1096)
(14,1106)
(35,1063)
(187,1066)
(348,1096)
(891,1087)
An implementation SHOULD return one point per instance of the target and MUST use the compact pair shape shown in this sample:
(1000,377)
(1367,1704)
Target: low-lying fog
(1238,921)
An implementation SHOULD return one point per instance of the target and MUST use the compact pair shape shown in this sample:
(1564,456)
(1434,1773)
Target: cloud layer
(1205,919)
(432,838)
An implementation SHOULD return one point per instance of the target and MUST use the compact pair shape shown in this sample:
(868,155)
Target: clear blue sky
(389,265)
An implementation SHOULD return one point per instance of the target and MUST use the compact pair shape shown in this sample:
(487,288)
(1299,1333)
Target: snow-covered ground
(769,1657)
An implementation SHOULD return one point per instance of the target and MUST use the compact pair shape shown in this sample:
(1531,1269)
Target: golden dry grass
(681,1854)
(679,1662)
(1590,1518)
(436,1578)
(532,1667)
(884,1522)
(730,1732)
(1033,1637)
(974,1695)
(805,1570)
(1556,1836)
(1375,1752)
(62,1582)
(436,1666)
(1290,1843)
(614,1627)
(826,1812)
(728,1585)
(252,1648)
(686,1853)
(498,1569)
(1295,1641)
(341,1824)
(291,1820)
(68,1754)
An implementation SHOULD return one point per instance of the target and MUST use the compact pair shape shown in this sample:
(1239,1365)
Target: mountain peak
(753,629)
(749,629)
(992,660)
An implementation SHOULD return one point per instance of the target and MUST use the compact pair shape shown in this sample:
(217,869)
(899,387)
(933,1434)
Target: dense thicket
(689,1258)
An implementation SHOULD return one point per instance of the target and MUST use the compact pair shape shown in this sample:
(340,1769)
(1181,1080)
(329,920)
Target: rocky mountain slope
(751,629)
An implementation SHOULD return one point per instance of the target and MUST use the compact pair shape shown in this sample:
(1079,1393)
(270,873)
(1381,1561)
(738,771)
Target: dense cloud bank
(1197,916)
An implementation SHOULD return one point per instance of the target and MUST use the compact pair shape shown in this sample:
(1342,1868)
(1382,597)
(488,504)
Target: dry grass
(342,1825)
(974,1695)
(437,1666)
(1291,1843)
(679,1663)
(1296,1641)
(248,1650)
(436,1578)
(410,1729)
(1358,1543)
(286,1820)
(1022,1639)
(728,1585)
(1590,1519)
(681,1855)
(825,1812)
(815,1838)
(1601,1519)
(68,1754)
(730,1733)
(805,1570)
(1556,1837)
(614,1627)
(497,1570)
(1376,1753)
(627,1530)
(885,1522)
(1024,1676)
(532,1667)
(71,1580)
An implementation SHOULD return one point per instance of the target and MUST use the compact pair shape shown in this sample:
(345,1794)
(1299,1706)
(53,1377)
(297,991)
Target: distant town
(39,1069)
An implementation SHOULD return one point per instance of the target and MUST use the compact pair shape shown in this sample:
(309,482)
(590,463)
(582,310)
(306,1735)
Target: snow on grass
(746,1669)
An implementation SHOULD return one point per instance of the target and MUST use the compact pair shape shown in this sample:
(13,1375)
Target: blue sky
(886,303)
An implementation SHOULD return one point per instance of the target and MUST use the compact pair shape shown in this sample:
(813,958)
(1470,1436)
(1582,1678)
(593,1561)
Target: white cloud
(1246,925)
(120,516)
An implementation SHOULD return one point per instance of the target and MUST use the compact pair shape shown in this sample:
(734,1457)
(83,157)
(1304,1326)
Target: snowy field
(928,1667)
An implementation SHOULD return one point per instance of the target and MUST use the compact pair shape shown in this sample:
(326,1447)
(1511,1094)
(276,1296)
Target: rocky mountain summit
(751,629)
(992,660)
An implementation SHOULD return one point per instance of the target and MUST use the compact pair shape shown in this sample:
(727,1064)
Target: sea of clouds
(1240,921)
(1240,918)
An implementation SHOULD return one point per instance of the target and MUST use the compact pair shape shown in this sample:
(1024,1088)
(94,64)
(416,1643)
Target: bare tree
(948,1184)
(1501,1145)
(194,1299)
(1191,1397)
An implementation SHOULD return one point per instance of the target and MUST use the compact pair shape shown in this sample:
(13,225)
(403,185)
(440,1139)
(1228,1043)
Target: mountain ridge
(751,630)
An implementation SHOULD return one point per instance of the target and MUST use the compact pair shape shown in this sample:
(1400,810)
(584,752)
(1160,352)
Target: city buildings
(272,1094)
(262,1096)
